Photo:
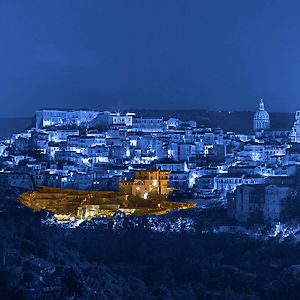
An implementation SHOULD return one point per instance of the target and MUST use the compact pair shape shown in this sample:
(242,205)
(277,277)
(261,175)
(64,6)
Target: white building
(261,120)
(148,124)
(229,182)
(295,134)
(49,117)
(61,135)
(108,118)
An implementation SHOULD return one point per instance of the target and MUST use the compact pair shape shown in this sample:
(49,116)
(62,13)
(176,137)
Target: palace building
(147,184)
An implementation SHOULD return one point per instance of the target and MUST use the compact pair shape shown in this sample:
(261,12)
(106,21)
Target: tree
(291,207)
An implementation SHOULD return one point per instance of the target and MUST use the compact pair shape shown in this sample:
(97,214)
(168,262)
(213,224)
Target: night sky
(165,54)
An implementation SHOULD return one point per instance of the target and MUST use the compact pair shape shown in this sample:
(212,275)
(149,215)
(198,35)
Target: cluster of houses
(93,150)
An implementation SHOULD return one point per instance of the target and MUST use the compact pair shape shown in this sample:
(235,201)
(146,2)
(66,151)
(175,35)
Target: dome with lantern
(261,120)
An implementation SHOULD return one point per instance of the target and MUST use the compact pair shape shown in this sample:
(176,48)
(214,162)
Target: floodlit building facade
(261,120)
(56,117)
(147,184)
(295,134)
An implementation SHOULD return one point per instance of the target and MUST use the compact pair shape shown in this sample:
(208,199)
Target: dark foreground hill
(51,262)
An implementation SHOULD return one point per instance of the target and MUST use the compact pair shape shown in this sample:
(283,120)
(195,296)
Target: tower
(295,134)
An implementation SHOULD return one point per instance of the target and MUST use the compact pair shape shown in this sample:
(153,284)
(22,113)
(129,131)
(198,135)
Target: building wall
(250,199)
(47,117)
(246,201)
(146,183)
(274,201)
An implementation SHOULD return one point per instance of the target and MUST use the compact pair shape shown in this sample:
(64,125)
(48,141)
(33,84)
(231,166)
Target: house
(14,180)
(61,135)
(244,169)
(206,182)
(179,179)
(170,164)
(109,183)
(148,124)
(182,151)
(228,182)
(107,119)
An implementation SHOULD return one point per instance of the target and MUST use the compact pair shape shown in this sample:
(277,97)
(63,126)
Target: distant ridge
(9,126)
(237,121)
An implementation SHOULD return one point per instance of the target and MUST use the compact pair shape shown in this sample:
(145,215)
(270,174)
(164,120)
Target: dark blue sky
(149,54)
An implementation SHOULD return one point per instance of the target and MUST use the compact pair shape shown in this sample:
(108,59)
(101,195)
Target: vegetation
(134,263)
(291,208)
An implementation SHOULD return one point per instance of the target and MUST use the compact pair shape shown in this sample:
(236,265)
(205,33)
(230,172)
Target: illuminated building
(50,117)
(261,120)
(147,184)
(61,135)
(175,154)
(295,134)
(107,118)
(84,204)
(148,124)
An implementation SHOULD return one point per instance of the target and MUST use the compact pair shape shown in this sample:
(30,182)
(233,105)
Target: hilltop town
(252,172)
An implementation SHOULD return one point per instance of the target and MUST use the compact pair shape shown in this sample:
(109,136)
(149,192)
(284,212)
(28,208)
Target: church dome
(261,115)
(261,118)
